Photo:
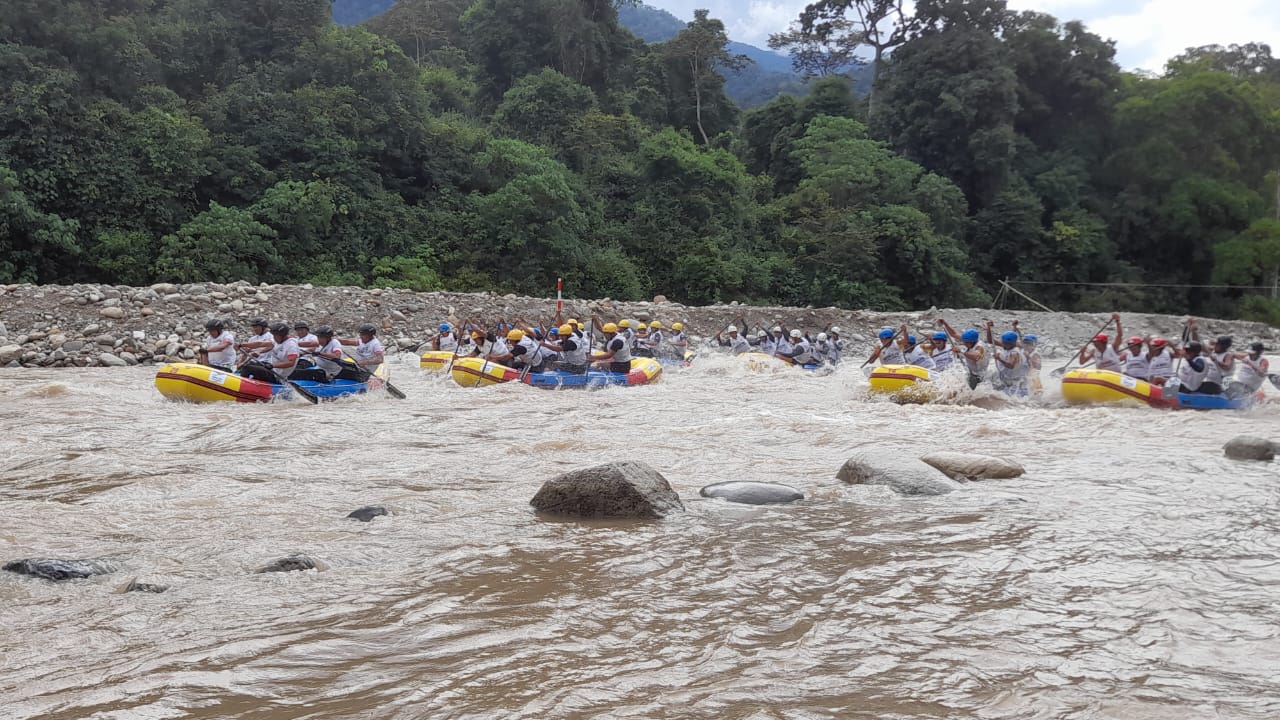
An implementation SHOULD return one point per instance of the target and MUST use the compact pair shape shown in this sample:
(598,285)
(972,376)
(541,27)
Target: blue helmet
(445,327)
(969,336)
(911,339)
(1029,339)
(939,335)
(887,333)
(1009,337)
(554,331)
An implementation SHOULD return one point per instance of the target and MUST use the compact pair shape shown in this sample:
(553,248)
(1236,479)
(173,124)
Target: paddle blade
(305,393)
(1059,372)
(1275,380)
(394,392)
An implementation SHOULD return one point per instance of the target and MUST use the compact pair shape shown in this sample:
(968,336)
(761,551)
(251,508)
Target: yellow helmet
(677,326)
(609,328)
(655,325)
(515,335)
(572,322)
(566,330)
(624,323)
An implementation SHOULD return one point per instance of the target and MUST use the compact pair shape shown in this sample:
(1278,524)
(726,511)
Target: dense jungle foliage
(499,144)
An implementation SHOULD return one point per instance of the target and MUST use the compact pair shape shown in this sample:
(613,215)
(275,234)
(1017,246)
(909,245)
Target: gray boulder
(9,353)
(135,586)
(902,473)
(752,493)
(110,360)
(1247,447)
(289,564)
(972,466)
(49,569)
(616,490)
(368,513)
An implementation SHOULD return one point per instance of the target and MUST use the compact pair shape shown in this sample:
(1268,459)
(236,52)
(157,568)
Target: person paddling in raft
(971,351)
(1159,361)
(1194,371)
(887,350)
(1222,362)
(1031,353)
(1251,370)
(1104,352)
(735,342)
(913,353)
(616,355)
(260,341)
(1011,364)
(368,354)
(219,348)
(571,350)
(277,364)
(801,352)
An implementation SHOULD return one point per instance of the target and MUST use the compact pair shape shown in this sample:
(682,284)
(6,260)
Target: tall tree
(835,29)
(699,53)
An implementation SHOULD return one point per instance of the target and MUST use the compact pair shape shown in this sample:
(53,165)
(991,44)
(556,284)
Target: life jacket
(330,367)
(1011,375)
(1160,364)
(1108,359)
(918,357)
(977,368)
(576,356)
(1190,379)
(1214,371)
(943,358)
(1248,375)
(621,350)
(802,353)
(892,355)
(448,342)
(1136,365)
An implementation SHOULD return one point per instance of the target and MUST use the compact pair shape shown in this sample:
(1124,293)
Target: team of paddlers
(1011,362)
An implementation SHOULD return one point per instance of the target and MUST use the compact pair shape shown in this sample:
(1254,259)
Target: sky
(1147,32)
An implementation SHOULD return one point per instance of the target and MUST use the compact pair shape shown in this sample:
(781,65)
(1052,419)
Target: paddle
(392,390)
(469,324)
(896,333)
(305,393)
(1063,370)
(1275,380)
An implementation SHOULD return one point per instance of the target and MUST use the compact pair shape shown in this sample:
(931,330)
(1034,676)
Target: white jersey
(309,339)
(1215,374)
(368,350)
(892,355)
(1250,373)
(1108,359)
(447,342)
(1160,365)
(1011,375)
(802,353)
(286,351)
(1136,365)
(263,338)
(782,346)
(330,367)
(977,368)
(766,346)
(1190,379)
(738,344)
(225,357)
(943,358)
(918,357)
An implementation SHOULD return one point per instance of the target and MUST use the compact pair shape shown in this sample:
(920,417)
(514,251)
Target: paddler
(913,354)
(1159,362)
(525,353)
(1011,365)
(679,340)
(826,349)
(735,342)
(887,350)
(1104,351)
(1031,351)
(1222,362)
(781,346)
(616,354)
(973,354)
(640,342)
(801,352)
(1251,370)
(368,353)
(446,339)
(837,343)
(1137,364)
(260,341)
(763,343)
(572,350)
(654,342)
(306,341)
(1193,371)
(940,353)
(277,364)
(328,355)
(219,347)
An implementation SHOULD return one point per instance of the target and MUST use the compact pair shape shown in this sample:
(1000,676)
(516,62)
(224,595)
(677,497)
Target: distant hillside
(769,75)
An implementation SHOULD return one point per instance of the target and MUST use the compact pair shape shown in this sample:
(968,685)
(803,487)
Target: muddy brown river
(1133,573)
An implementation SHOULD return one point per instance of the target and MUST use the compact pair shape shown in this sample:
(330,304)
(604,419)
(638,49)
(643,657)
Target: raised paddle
(392,390)
(1063,370)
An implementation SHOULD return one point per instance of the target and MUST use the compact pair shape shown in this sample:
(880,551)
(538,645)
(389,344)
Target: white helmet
(836,331)
(761,334)
(795,333)
(822,337)
(732,328)
(776,328)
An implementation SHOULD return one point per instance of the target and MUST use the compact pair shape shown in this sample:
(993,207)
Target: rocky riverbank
(111,325)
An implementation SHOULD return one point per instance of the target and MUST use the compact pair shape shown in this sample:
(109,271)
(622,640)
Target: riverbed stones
(367,513)
(292,563)
(9,353)
(752,493)
(114,313)
(1248,447)
(900,472)
(109,360)
(622,490)
(56,570)
(973,466)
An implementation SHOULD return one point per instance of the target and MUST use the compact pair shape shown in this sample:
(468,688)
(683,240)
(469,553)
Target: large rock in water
(367,513)
(1247,447)
(752,493)
(973,466)
(60,569)
(899,471)
(616,490)
(292,563)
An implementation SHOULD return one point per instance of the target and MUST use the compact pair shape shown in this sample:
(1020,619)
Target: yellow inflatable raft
(910,383)
(1104,387)
(189,382)
(435,360)
(475,372)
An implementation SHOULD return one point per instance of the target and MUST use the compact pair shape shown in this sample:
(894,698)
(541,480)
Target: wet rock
(368,513)
(291,563)
(617,490)
(1247,447)
(129,358)
(73,346)
(752,493)
(9,353)
(972,466)
(109,360)
(135,586)
(115,313)
(905,475)
(50,569)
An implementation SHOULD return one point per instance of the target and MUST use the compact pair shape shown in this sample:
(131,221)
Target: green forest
(498,144)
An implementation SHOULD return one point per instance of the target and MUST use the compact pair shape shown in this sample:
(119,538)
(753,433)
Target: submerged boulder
(1247,447)
(627,490)
(289,564)
(49,569)
(752,493)
(368,513)
(135,585)
(973,466)
(901,472)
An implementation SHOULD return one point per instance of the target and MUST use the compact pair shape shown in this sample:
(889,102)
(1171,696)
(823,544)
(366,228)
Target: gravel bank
(112,325)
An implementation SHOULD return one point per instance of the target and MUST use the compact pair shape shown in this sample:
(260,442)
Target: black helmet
(369,328)
(1225,341)
(301,325)
(324,331)
(1257,347)
(259,322)
(1194,347)
(214,324)
(279,328)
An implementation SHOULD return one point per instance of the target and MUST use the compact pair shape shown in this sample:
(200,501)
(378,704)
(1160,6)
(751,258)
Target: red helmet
(1100,338)
(1158,342)
(1135,340)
